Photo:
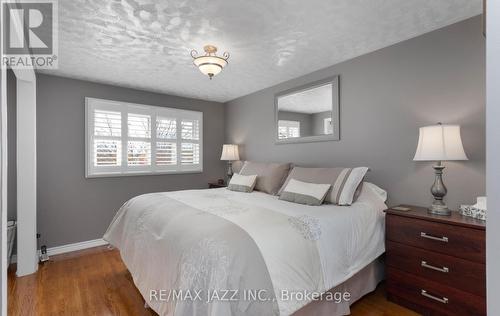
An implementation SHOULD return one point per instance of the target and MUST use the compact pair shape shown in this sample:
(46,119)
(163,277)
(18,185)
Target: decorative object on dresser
(435,265)
(477,210)
(439,143)
(230,153)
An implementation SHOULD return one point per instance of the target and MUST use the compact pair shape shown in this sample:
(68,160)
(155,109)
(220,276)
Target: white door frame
(3,187)
(3,180)
(27,258)
(493,155)
(26,229)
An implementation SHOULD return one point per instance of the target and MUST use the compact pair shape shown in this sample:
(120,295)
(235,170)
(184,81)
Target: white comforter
(305,248)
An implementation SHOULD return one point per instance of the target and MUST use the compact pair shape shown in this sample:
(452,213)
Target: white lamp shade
(230,152)
(440,142)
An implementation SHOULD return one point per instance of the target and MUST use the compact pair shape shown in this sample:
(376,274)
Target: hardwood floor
(96,282)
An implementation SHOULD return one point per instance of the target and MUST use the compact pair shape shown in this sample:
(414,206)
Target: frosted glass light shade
(210,65)
(230,152)
(440,142)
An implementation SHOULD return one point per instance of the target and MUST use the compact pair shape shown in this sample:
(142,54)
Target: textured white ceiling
(145,44)
(314,100)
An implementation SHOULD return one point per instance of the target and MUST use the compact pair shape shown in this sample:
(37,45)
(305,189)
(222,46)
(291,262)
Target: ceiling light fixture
(210,64)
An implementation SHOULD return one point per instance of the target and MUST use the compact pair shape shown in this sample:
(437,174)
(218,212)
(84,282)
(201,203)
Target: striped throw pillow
(304,193)
(345,186)
(242,183)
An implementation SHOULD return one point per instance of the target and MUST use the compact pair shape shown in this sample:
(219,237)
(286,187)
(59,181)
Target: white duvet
(303,248)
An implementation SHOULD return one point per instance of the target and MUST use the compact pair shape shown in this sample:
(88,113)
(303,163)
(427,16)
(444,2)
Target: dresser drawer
(461,274)
(457,241)
(433,296)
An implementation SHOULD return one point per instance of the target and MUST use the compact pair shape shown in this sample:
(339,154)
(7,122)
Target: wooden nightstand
(435,265)
(215,185)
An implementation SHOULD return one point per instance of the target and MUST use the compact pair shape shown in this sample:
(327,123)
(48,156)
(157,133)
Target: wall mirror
(309,113)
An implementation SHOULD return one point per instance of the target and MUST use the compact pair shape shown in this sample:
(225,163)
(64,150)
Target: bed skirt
(360,284)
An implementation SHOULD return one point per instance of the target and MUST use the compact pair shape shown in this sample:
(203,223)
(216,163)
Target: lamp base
(229,173)
(439,191)
(439,210)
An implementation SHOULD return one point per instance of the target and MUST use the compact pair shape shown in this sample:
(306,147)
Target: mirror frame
(334,80)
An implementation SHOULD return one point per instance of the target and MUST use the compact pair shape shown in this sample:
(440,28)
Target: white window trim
(124,170)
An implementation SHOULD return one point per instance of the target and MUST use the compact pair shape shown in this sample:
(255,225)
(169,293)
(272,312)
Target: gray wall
(384,97)
(72,208)
(493,157)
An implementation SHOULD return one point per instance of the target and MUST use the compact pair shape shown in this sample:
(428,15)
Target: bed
(219,252)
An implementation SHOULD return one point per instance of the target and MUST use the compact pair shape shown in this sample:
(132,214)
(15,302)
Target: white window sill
(142,173)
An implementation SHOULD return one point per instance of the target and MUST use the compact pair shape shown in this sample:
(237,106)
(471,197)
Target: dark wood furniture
(435,264)
(215,185)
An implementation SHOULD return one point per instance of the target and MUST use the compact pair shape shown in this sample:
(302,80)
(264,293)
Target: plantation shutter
(128,139)
(107,138)
(166,143)
(190,148)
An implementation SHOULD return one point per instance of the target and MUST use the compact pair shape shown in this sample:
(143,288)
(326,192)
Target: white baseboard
(70,248)
(76,246)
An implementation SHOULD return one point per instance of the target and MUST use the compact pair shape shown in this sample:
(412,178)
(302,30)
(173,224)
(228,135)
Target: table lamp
(230,153)
(439,143)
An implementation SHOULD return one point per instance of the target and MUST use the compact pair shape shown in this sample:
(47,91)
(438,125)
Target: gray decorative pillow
(242,183)
(304,192)
(313,175)
(270,176)
(345,181)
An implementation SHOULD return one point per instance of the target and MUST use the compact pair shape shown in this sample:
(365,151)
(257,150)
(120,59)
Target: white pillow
(242,183)
(379,192)
(304,192)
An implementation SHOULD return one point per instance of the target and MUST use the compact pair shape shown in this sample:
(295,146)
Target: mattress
(243,253)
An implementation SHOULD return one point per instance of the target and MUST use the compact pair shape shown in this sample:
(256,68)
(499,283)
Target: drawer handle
(443,300)
(428,266)
(425,235)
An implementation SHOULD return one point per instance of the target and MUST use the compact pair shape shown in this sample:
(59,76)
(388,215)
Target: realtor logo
(29,37)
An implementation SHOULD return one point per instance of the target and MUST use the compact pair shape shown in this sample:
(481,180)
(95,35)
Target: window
(134,139)
(288,129)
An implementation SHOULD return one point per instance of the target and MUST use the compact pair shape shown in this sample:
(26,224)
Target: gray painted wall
(72,208)
(385,96)
(493,157)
